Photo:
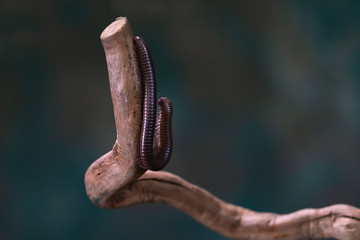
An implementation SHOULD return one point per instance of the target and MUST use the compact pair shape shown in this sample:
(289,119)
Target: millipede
(156,121)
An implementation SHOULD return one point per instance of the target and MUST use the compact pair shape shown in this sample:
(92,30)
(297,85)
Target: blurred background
(266,99)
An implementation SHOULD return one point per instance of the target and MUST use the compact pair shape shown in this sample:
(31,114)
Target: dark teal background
(266,99)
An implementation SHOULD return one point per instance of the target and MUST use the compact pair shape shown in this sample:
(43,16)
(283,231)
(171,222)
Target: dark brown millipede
(153,156)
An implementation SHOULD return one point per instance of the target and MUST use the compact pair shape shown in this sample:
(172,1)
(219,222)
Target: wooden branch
(115,180)
(338,221)
(119,167)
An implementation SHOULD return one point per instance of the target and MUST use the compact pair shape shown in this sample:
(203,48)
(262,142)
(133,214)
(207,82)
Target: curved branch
(338,221)
(116,180)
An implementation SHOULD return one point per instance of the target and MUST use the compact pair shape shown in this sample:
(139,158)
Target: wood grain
(119,167)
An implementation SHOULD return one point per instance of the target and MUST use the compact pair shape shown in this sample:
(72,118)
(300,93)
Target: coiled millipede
(120,178)
(152,156)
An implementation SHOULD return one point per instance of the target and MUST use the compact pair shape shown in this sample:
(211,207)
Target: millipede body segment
(152,155)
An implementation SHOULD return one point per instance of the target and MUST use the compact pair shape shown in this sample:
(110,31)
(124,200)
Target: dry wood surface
(115,180)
